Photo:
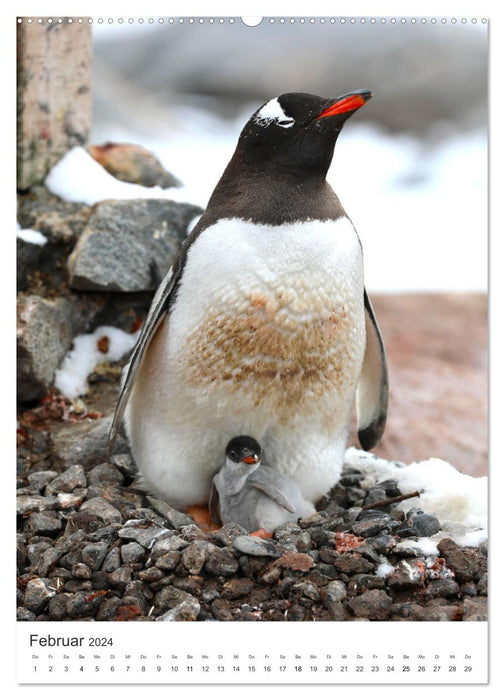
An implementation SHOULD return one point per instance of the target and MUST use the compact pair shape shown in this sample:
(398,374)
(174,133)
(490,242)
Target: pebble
(228,533)
(37,594)
(132,553)
(83,604)
(143,532)
(186,611)
(237,588)
(195,555)
(105,474)
(335,592)
(81,570)
(28,504)
(120,577)
(44,523)
(101,508)
(256,546)
(446,588)
(94,554)
(39,480)
(464,561)
(369,528)
(371,605)
(221,562)
(419,525)
(111,560)
(67,481)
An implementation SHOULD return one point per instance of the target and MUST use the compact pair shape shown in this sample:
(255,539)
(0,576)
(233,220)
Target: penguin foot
(201,515)
(261,533)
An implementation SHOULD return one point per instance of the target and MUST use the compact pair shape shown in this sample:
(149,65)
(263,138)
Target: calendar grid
(328,653)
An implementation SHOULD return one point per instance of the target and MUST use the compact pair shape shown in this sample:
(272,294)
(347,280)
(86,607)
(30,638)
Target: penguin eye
(285,123)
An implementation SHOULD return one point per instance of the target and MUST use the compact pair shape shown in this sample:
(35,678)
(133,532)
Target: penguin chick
(254,495)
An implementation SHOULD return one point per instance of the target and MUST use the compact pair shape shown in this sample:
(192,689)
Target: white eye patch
(272,112)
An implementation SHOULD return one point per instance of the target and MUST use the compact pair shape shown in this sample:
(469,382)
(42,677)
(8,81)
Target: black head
(297,131)
(243,448)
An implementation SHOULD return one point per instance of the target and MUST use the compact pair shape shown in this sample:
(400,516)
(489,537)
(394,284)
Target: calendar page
(252,349)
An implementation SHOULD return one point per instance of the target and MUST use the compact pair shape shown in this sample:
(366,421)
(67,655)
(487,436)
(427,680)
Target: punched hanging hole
(251,21)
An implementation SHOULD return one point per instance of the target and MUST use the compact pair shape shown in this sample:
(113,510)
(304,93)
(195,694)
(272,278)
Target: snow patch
(78,177)
(30,236)
(71,377)
(459,501)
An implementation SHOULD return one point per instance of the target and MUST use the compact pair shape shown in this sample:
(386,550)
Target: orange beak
(252,459)
(347,103)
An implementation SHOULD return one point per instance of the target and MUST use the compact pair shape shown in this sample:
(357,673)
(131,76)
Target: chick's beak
(251,459)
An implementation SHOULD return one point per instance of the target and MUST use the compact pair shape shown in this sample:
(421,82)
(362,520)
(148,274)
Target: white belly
(266,338)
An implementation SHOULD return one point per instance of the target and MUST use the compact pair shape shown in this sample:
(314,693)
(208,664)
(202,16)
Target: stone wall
(53,94)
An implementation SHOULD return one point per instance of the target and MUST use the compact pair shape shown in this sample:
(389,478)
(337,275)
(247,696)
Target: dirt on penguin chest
(282,349)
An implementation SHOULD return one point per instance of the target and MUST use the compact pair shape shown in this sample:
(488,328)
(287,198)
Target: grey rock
(48,560)
(37,594)
(307,589)
(28,504)
(371,605)
(194,556)
(221,562)
(112,560)
(186,611)
(406,575)
(168,543)
(27,257)
(39,480)
(105,474)
(228,533)
(100,507)
(237,588)
(120,577)
(444,588)
(132,553)
(45,329)
(58,220)
(172,516)
(58,606)
(83,604)
(123,238)
(48,523)
(419,525)
(70,479)
(375,495)
(256,546)
(126,465)
(94,554)
(475,609)
(143,533)
(169,597)
(169,561)
(132,163)
(25,615)
(369,528)
(81,570)
(35,550)
(335,592)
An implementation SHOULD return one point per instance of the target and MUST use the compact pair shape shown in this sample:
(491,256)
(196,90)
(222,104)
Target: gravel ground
(92,546)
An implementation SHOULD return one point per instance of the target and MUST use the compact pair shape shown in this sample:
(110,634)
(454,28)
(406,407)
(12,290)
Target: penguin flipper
(275,494)
(213,503)
(372,389)
(157,313)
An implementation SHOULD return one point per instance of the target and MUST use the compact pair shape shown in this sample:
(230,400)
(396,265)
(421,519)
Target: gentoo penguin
(251,494)
(262,326)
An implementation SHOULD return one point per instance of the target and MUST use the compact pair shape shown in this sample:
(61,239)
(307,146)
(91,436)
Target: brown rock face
(437,353)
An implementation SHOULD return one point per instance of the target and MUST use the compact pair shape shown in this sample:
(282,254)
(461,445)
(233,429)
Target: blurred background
(410,168)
